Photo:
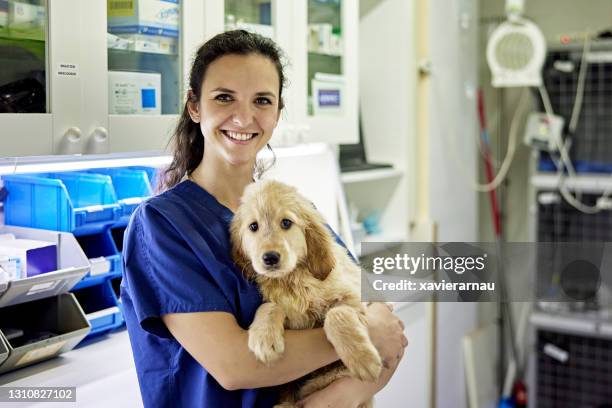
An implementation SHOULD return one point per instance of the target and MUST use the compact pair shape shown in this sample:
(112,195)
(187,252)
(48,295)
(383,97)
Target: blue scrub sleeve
(163,274)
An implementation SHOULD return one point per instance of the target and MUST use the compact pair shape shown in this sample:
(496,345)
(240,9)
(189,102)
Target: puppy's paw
(267,344)
(365,364)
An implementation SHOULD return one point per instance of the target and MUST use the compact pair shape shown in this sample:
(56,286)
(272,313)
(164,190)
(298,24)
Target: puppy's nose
(271,258)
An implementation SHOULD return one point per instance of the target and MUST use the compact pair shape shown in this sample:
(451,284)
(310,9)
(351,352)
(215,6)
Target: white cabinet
(57,94)
(410,385)
(82,78)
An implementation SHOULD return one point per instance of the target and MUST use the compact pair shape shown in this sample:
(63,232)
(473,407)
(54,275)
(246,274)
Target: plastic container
(103,256)
(53,325)
(73,202)
(101,307)
(72,262)
(131,185)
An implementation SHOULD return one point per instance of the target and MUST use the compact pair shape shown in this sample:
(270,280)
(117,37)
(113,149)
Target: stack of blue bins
(95,205)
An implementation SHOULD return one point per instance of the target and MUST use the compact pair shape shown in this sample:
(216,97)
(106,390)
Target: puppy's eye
(253,226)
(286,224)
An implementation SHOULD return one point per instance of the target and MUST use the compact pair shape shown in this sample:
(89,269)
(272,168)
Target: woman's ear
(193,106)
(319,254)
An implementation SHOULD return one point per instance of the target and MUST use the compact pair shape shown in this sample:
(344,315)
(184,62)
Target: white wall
(387,89)
(453,204)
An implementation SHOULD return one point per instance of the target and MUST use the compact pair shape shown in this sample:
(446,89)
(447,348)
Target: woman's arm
(220,345)
(387,333)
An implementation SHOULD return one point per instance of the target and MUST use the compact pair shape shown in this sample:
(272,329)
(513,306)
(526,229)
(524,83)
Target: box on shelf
(53,326)
(35,257)
(4,9)
(134,93)
(157,44)
(328,94)
(10,268)
(157,17)
(26,20)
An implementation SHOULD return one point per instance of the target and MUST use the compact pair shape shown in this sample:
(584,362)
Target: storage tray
(72,262)
(72,202)
(131,185)
(101,307)
(104,258)
(60,315)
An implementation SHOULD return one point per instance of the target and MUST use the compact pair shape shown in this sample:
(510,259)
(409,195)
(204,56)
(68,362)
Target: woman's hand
(386,332)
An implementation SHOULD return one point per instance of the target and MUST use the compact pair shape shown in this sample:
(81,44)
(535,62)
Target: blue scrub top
(176,259)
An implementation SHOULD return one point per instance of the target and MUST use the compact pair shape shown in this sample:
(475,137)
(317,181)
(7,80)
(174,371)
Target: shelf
(324,54)
(584,182)
(369,175)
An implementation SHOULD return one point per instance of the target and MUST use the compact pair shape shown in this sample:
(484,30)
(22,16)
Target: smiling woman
(187,306)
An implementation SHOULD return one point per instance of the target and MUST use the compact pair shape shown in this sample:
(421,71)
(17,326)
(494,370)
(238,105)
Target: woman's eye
(286,224)
(263,101)
(253,226)
(223,98)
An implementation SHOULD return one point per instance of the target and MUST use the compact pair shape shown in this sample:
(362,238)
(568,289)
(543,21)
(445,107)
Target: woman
(187,307)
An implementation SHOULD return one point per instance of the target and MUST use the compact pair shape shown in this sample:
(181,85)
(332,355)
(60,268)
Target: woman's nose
(243,115)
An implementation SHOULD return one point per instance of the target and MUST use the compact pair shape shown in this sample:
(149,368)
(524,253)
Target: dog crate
(573,235)
(573,361)
(591,145)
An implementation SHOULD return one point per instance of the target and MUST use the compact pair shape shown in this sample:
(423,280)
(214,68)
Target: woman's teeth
(239,136)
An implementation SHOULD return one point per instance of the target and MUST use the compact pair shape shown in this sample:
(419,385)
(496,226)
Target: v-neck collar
(200,194)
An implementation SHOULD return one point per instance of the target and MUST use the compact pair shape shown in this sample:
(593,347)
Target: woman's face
(239,107)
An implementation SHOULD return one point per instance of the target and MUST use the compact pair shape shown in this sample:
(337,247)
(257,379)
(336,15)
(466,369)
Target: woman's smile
(240,138)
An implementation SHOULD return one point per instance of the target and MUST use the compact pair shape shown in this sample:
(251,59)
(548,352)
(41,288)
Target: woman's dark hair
(187,142)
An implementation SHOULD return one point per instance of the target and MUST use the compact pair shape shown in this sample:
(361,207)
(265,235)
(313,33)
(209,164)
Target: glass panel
(23,31)
(252,15)
(325,49)
(144,57)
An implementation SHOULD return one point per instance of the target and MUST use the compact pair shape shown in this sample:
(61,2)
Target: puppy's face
(268,229)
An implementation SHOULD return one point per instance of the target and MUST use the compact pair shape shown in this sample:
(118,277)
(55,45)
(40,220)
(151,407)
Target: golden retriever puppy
(307,280)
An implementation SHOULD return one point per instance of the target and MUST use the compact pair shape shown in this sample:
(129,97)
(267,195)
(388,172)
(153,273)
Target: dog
(307,280)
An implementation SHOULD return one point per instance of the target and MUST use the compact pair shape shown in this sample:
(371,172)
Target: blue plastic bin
(73,202)
(101,307)
(103,256)
(152,172)
(131,185)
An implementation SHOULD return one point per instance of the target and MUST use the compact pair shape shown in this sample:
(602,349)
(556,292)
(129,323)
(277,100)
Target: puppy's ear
(238,255)
(242,262)
(319,257)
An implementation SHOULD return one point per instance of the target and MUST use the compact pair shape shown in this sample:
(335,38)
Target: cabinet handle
(99,134)
(73,134)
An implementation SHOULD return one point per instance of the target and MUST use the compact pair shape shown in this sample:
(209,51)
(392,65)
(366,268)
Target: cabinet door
(411,384)
(271,18)
(150,46)
(25,112)
(326,69)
